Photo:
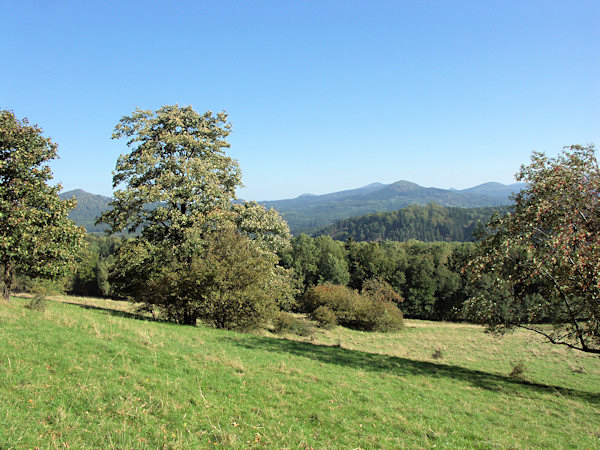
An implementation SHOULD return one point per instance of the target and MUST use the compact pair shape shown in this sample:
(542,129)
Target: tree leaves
(549,246)
(177,188)
(36,236)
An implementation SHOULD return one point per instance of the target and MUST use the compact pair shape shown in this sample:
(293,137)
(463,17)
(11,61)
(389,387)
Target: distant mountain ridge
(308,212)
(88,209)
(495,190)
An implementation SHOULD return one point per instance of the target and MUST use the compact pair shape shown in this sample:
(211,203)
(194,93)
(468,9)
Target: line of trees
(428,276)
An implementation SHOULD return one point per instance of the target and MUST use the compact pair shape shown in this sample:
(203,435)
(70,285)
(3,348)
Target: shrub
(341,300)
(37,303)
(352,309)
(437,354)
(380,290)
(518,370)
(30,285)
(383,316)
(286,323)
(324,317)
(39,291)
(229,282)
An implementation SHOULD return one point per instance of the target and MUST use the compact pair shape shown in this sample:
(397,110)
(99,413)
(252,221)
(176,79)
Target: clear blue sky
(323,95)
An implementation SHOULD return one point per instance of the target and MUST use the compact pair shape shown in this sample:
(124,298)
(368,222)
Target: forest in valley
(299,225)
(428,223)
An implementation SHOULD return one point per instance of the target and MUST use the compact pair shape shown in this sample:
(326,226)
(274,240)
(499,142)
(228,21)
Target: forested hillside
(427,223)
(309,213)
(88,209)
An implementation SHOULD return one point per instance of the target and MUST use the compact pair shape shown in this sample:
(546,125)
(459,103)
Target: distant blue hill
(309,212)
(89,207)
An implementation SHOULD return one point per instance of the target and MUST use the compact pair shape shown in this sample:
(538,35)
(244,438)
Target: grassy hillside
(96,376)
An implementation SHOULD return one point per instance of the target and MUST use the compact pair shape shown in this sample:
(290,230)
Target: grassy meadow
(87,373)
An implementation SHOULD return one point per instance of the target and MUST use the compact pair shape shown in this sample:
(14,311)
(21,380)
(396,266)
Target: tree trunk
(189,318)
(8,281)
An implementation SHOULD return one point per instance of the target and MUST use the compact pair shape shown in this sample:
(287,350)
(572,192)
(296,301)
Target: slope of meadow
(93,375)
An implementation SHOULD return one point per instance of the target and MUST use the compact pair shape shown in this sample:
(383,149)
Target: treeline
(427,223)
(425,280)
(428,276)
(89,277)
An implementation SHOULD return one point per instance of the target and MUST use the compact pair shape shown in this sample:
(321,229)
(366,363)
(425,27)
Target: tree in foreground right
(541,262)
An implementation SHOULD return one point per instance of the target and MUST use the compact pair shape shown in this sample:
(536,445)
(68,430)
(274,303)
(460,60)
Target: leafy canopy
(36,236)
(198,254)
(177,176)
(543,258)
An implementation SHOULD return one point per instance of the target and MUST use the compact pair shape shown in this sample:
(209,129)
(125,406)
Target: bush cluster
(428,276)
(324,317)
(330,303)
(284,322)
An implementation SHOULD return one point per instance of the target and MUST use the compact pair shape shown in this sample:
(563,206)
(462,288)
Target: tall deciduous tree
(177,177)
(177,188)
(543,258)
(36,236)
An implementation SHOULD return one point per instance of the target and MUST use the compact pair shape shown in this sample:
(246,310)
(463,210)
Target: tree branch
(567,303)
(558,342)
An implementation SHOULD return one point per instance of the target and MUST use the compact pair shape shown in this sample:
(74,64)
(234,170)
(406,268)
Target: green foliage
(36,237)
(265,226)
(331,264)
(227,284)
(422,273)
(339,299)
(94,264)
(543,259)
(369,261)
(352,309)
(427,276)
(437,354)
(428,223)
(231,283)
(178,188)
(381,291)
(284,322)
(324,317)
(382,316)
(177,176)
(30,285)
(37,303)
(518,369)
(319,260)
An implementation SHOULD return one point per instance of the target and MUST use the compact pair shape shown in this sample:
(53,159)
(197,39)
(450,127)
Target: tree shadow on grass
(374,362)
(112,311)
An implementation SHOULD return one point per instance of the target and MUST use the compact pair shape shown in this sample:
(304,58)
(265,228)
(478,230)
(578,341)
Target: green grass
(97,376)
